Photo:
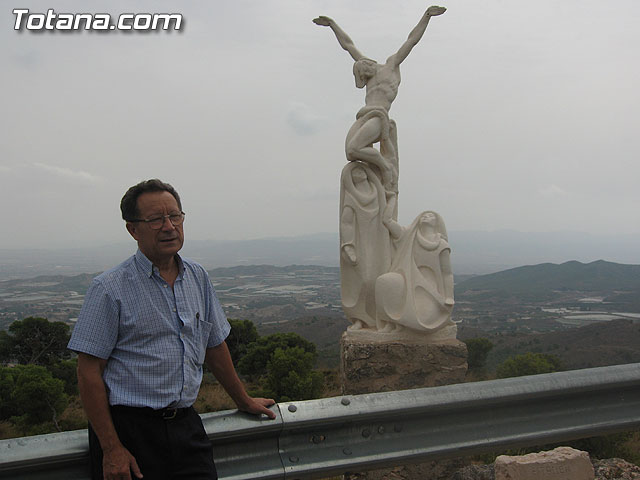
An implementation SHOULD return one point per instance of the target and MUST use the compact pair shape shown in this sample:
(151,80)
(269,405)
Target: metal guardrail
(321,438)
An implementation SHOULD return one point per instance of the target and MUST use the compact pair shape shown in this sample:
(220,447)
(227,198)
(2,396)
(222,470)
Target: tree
(36,341)
(528,364)
(478,349)
(254,363)
(243,332)
(7,385)
(291,376)
(32,394)
(66,370)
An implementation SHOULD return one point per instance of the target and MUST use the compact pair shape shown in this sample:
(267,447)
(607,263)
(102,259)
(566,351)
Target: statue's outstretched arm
(395,229)
(343,39)
(416,34)
(447,276)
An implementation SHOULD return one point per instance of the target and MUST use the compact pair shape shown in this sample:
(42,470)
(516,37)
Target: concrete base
(373,363)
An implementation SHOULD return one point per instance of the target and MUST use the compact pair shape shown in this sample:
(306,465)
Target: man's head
(129,202)
(153,212)
(363,70)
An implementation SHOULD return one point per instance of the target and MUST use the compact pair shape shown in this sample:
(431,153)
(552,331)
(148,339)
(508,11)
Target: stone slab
(562,463)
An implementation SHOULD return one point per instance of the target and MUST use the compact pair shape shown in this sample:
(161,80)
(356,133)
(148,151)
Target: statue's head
(358,175)
(363,70)
(429,218)
(429,222)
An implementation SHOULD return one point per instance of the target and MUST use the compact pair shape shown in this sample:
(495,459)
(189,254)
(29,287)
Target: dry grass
(7,430)
(73,418)
(332,386)
(632,445)
(213,398)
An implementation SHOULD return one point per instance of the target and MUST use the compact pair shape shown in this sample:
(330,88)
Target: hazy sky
(511,115)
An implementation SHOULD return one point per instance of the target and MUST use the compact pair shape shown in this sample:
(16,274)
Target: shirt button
(174,310)
(166,286)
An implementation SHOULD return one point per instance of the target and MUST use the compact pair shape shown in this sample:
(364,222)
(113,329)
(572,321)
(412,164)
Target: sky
(511,115)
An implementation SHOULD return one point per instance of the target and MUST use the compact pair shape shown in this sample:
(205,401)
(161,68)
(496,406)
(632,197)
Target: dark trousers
(165,449)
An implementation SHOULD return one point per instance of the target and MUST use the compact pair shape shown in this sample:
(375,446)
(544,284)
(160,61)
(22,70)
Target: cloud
(552,191)
(303,120)
(75,175)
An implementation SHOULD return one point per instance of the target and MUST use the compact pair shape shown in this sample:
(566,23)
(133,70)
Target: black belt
(164,413)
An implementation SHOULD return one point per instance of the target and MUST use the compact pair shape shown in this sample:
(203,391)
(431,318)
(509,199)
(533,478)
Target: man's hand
(323,21)
(434,11)
(118,463)
(258,406)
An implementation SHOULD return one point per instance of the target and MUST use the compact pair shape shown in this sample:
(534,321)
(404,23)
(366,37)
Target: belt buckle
(169,413)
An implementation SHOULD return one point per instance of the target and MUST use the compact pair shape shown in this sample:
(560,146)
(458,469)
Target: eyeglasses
(156,223)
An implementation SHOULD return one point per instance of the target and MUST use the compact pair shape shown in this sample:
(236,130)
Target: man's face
(158,245)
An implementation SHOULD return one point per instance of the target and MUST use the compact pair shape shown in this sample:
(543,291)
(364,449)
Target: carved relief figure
(365,249)
(372,123)
(417,292)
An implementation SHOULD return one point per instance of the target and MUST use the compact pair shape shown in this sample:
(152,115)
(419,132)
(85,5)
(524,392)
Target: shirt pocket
(198,336)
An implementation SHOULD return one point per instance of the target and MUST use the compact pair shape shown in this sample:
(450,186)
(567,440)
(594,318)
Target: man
(143,333)
(382,81)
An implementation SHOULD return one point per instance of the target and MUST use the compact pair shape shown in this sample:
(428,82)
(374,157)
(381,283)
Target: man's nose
(167,225)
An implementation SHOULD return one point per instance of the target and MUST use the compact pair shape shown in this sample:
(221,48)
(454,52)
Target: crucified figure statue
(372,123)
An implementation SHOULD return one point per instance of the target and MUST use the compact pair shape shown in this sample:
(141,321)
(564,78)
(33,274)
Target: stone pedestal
(375,362)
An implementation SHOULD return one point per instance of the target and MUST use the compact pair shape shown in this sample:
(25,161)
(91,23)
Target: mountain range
(599,276)
(473,252)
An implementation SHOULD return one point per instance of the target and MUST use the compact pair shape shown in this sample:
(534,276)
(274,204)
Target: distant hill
(50,283)
(266,270)
(473,252)
(598,345)
(545,280)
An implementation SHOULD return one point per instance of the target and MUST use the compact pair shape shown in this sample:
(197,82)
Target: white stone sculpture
(365,252)
(395,281)
(372,123)
(417,292)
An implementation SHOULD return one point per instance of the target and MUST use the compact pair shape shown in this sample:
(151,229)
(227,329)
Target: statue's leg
(393,137)
(359,146)
(389,150)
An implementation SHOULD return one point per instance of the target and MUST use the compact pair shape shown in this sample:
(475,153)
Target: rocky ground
(608,469)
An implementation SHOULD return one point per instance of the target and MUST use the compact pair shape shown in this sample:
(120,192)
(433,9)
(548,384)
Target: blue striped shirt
(153,337)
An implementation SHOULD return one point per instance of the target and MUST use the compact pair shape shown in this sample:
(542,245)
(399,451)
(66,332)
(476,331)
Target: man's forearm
(117,461)
(93,394)
(219,361)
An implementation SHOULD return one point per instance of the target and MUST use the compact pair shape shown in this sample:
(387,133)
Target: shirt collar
(146,266)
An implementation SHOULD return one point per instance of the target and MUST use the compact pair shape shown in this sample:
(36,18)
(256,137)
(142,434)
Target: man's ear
(133,231)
